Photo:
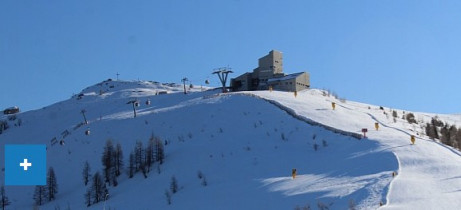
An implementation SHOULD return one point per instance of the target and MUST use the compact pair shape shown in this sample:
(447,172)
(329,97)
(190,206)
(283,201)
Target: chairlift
(87,132)
(207,82)
(148,102)
(136,104)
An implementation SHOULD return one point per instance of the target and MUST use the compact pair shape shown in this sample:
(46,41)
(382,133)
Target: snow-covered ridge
(246,148)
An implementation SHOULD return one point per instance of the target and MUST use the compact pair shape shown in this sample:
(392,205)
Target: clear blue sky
(401,54)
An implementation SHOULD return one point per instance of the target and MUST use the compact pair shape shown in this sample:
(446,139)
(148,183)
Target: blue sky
(401,54)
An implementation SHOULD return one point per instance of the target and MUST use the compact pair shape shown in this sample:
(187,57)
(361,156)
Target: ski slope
(429,175)
(245,146)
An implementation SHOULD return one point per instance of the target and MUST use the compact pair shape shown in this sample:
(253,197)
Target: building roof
(287,77)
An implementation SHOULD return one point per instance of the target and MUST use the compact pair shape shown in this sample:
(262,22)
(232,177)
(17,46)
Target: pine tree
(88,197)
(174,185)
(445,134)
(86,173)
(452,133)
(394,114)
(118,159)
(436,123)
(139,155)
(411,118)
(150,158)
(98,189)
(40,194)
(113,177)
(168,197)
(108,161)
(51,184)
(3,198)
(159,151)
(132,166)
(458,137)
(430,131)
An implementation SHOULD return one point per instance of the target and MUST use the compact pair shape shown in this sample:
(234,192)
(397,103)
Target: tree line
(141,159)
(46,193)
(446,133)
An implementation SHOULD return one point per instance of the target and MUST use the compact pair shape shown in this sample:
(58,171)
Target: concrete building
(269,73)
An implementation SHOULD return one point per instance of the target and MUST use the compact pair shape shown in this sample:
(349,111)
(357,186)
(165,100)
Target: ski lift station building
(269,73)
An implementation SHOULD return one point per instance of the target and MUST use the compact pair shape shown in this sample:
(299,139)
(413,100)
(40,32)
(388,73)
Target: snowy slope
(246,148)
(429,172)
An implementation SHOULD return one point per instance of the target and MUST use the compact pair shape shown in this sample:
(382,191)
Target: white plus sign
(25,164)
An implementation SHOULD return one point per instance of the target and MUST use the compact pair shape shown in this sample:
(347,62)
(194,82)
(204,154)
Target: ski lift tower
(135,103)
(184,80)
(222,74)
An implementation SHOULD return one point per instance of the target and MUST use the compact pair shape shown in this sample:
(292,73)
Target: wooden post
(376,125)
(293,173)
(270,88)
(413,139)
(296,93)
(333,105)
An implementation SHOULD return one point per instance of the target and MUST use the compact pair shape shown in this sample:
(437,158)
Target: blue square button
(25,164)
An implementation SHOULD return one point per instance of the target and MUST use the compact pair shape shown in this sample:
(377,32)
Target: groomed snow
(429,175)
(246,148)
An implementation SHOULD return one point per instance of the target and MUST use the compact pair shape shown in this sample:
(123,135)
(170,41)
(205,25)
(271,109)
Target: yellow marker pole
(333,105)
(413,139)
(377,126)
(293,173)
(296,93)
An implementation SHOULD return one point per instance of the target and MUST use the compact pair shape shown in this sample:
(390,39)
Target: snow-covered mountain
(245,145)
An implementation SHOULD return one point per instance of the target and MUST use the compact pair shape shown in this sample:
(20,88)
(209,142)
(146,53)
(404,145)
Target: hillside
(246,145)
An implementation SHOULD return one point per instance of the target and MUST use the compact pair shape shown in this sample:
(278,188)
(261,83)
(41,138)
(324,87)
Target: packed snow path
(429,175)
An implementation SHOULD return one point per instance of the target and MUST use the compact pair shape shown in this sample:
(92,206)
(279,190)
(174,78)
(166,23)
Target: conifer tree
(88,197)
(452,134)
(3,198)
(458,138)
(51,185)
(40,194)
(108,161)
(98,189)
(118,157)
(430,130)
(445,134)
(150,158)
(132,166)
(86,173)
(159,151)
(174,185)
(139,156)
